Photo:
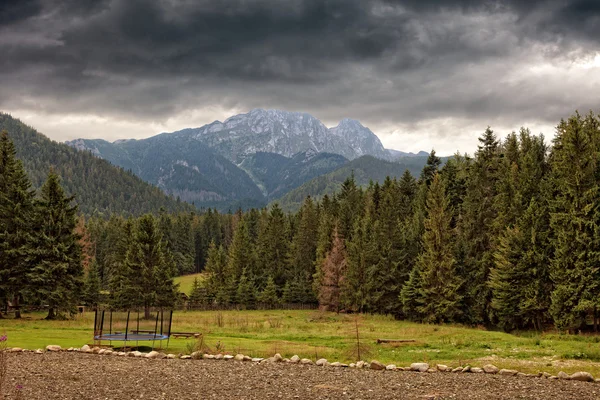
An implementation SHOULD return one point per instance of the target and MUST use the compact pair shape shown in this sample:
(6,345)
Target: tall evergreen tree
(92,286)
(574,218)
(439,285)
(477,230)
(57,277)
(16,224)
(149,269)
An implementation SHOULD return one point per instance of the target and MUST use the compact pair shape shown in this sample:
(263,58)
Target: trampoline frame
(135,335)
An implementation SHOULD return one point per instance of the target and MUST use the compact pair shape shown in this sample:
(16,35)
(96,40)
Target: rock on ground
(421,367)
(64,376)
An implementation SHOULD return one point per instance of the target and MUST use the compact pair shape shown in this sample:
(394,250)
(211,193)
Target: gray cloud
(396,65)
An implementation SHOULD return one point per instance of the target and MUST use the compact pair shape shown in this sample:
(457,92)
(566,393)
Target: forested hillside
(276,175)
(365,170)
(99,186)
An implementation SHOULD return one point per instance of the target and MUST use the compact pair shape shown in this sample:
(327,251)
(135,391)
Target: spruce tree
(303,247)
(439,283)
(268,296)
(16,225)
(246,293)
(274,248)
(57,277)
(361,255)
(575,222)
(477,232)
(149,269)
(92,286)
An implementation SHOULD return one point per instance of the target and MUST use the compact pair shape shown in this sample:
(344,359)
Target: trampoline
(132,326)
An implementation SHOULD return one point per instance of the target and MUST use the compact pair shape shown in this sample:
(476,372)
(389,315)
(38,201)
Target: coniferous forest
(507,238)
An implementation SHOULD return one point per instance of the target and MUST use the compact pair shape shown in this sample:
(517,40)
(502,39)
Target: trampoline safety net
(133,325)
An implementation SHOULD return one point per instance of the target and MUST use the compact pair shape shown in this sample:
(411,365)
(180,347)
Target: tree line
(506,238)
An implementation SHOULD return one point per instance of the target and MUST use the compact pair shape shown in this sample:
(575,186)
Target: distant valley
(252,159)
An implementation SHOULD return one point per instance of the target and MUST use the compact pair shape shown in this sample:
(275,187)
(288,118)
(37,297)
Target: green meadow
(187,281)
(314,334)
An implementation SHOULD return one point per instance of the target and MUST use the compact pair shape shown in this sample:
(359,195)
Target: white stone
(390,367)
(53,347)
(186,357)
(306,361)
(361,364)
(257,359)
(295,359)
(227,357)
(322,362)
(85,349)
(239,357)
(171,356)
(476,370)
(442,367)
(278,357)
(421,367)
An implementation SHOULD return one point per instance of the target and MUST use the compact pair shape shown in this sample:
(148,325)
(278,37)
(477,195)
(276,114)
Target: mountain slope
(365,169)
(277,175)
(99,187)
(181,166)
(280,132)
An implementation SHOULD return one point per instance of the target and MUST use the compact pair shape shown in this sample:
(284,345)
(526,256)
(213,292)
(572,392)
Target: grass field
(314,335)
(186,281)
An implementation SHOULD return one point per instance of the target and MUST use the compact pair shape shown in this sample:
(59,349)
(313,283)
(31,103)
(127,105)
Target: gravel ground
(89,376)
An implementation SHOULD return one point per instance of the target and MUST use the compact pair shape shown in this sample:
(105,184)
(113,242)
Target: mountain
(181,166)
(247,160)
(277,175)
(285,133)
(365,169)
(397,154)
(99,187)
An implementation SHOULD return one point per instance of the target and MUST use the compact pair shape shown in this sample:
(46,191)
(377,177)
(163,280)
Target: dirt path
(88,376)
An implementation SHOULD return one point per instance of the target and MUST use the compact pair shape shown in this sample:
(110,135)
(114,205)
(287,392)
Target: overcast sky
(421,74)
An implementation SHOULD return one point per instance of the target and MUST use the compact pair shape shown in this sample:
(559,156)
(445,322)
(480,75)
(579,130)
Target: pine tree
(477,230)
(274,249)
(361,255)
(439,283)
(246,293)
(196,294)
(16,224)
(389,270)
(57,277)
(241,254)
(268,296)
(574,218)
(92,286)
(149,269)
(303,248)
(218,279)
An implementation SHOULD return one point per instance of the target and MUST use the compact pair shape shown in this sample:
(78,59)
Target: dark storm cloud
(390,60)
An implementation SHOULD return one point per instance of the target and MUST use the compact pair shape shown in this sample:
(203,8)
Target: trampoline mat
(135,337)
